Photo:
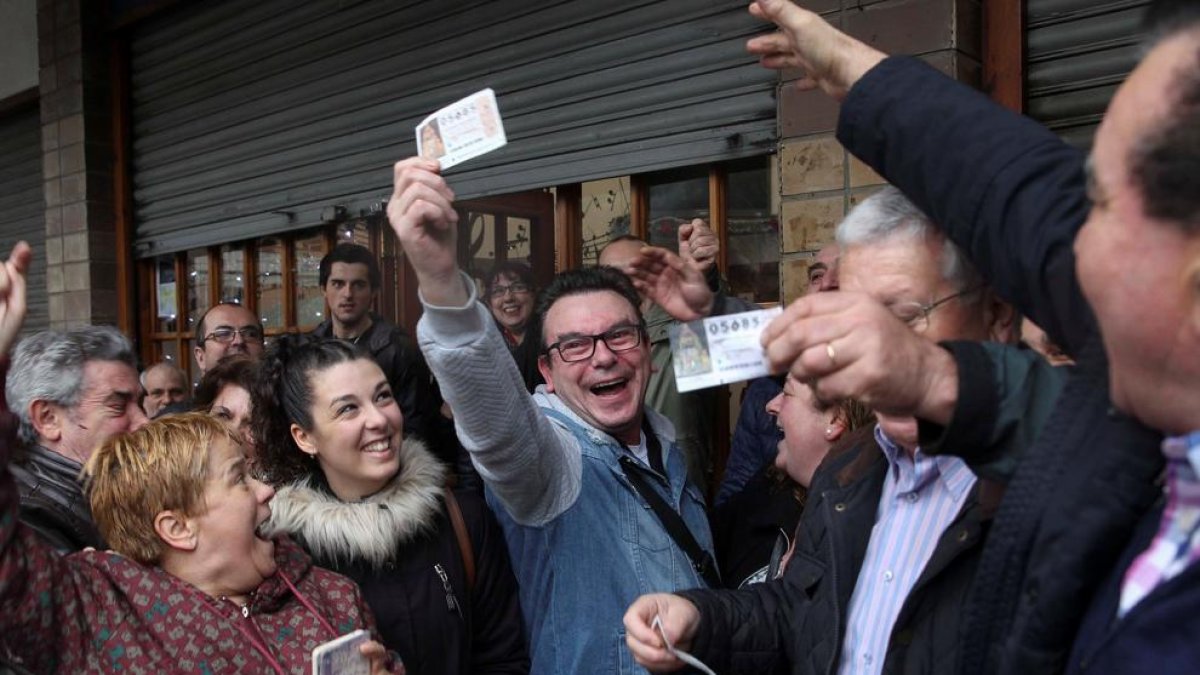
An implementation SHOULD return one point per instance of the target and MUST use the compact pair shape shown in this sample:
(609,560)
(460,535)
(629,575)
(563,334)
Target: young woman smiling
(368,503)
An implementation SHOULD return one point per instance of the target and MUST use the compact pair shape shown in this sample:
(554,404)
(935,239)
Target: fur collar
(370,530)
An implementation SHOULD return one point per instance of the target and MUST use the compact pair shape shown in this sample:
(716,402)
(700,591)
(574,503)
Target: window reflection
(606,209)
(310,301)
(676,197)
(197,284)
(233,273)
(269,291)
(753,231)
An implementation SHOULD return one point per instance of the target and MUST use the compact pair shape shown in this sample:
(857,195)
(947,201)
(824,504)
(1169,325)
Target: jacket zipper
(837,612)
(452,603)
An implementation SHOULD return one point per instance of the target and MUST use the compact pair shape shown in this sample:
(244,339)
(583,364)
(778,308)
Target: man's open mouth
(609,388)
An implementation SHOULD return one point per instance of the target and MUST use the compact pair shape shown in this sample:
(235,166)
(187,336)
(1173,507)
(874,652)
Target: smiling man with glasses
(575,471)
(227,329)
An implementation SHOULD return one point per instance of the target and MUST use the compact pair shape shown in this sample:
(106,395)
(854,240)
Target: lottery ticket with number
(679,653)
(720,349)
(462,130)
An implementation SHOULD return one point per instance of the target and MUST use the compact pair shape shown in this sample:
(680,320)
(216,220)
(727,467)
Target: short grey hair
(888,214)
(48,366)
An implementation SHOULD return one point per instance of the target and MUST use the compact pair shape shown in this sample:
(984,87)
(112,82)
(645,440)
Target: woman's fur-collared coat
(401,548)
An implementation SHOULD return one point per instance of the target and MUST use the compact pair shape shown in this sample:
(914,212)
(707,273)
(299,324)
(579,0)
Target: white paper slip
(462,130)
(720,349)
(679,653)
(341,656)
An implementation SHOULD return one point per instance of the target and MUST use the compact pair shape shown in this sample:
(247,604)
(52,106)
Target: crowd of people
(522,488)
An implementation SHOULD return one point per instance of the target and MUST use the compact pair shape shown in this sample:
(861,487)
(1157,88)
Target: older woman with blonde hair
(190,585)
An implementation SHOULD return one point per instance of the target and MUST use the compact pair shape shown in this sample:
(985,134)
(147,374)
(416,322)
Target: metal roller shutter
(22,204)
(1077,53)
(250,117)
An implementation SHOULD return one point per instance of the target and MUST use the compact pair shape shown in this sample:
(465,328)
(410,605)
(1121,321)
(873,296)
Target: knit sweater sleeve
(531,465)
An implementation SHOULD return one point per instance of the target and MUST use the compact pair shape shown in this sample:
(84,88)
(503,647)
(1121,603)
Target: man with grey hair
(888,542)
(165,385)
(71,391)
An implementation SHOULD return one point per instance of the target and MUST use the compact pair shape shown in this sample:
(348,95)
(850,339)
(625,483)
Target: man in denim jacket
(583,541)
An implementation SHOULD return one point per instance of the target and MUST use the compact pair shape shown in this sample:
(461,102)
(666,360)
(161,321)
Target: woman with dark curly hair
(368,503)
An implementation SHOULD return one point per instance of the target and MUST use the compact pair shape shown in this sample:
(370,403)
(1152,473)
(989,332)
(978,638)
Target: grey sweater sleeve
(532,465)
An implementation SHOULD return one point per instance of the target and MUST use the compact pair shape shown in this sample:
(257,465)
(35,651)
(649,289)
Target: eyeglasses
(916,315)
(517,288)
(581,347)
(225,334)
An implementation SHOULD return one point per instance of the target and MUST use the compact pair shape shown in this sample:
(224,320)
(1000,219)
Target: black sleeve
(1005,395)
(742,631)
(1003,187)
(497,635)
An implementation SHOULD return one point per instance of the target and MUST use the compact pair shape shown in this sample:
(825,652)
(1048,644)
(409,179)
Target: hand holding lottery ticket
(462,130)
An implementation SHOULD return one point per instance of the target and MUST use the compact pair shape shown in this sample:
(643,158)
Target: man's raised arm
(516,450)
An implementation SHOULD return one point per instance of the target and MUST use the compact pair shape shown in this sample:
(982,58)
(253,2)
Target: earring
(828,431)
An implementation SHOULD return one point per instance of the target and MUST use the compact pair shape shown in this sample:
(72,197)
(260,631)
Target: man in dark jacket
(72,391)
(890,536)
(1082,570)
(350,280)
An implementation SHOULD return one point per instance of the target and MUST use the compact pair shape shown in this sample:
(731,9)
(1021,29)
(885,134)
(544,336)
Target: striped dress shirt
(921,496)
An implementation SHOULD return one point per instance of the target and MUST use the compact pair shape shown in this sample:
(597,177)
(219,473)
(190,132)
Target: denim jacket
(580,571)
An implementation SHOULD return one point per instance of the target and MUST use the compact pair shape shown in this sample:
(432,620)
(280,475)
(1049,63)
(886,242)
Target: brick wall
(819,181)
(77,155)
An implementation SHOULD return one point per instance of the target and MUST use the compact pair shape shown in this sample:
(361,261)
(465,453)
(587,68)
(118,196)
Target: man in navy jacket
(1086,567)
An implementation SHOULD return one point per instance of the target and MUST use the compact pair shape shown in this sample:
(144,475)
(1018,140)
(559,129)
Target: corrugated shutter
(251,116)
(1077,54)
(22,204)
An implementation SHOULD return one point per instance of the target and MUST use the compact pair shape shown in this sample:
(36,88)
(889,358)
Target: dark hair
(282,396)
(587,280)
(201,330)
(509,268)
(236,369)
(1165,161)
(350,254)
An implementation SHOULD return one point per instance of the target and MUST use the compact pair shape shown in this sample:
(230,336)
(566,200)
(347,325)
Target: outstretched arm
(524,460)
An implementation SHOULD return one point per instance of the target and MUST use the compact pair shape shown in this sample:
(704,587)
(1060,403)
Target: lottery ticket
(679,653)
(720,349)
(462,130)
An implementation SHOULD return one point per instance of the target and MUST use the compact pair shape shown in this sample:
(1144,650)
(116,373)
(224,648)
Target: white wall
(18,46)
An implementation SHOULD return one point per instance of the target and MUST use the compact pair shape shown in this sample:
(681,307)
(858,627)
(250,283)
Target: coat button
(963,535)
(839,507)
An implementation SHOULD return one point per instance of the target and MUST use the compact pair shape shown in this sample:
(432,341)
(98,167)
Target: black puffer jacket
(52,501)
(400,546)
(798,623)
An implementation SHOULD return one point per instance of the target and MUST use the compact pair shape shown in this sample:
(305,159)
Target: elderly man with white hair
(890,536)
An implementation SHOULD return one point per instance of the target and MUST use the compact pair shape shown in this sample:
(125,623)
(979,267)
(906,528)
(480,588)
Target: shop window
(675,197)
(606,208)
(310,301)
(197,287)
(268,287)
(233,274)
(751,231)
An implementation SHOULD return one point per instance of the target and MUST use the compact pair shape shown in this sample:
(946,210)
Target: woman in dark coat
(370,504)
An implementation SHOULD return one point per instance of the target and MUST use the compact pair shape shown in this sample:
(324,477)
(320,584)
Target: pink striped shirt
(922,495)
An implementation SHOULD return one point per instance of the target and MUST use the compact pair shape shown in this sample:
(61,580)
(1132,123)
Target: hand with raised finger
(673,283)
(698,243)
(829,58)
(679,618)
(12,294)
(421,212)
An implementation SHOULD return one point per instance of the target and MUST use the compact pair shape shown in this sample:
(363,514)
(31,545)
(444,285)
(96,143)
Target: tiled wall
(77,157)
(819,181)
